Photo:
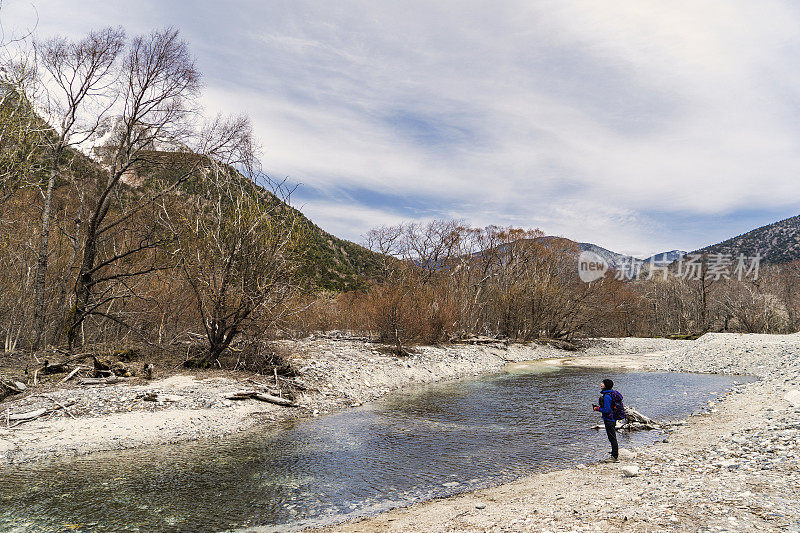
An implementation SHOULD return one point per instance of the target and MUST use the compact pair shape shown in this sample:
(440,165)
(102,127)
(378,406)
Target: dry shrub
(261,358)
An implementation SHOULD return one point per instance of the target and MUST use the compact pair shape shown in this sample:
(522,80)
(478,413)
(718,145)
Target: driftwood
(76,357)
(632,415)
(261,396)
(634,421)
(72,374)
(21,418)
(291,382)
(264,397)
(61,405)
(30,415)
(561,344)
(158,397)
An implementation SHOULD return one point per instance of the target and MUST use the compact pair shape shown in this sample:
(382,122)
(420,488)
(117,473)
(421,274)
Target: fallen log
(561,344)
(21,418)
(261,396)
(632,415)
(53,368)
(476,339)
(61,405)
(30,415)
(161,398)
(264,397)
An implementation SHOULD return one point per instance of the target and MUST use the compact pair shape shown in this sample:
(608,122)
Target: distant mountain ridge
(778,242)
(615,260)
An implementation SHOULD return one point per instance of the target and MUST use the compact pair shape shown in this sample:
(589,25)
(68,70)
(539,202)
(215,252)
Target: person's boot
(611,459)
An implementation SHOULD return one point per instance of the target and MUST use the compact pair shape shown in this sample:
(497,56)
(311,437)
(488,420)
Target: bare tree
(78,78)
(386,241)
(157,86)
(753,309)
(239,243)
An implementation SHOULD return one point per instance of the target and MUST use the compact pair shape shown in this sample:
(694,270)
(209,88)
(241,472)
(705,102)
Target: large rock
(630,471)
(625,454)
(793,397)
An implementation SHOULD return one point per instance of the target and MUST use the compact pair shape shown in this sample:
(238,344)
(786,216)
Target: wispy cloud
(640,125)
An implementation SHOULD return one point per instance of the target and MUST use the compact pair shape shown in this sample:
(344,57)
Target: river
(429,442)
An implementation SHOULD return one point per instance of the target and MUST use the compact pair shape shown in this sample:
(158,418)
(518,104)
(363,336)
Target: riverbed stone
(793,397)
(630,470)
(626,454)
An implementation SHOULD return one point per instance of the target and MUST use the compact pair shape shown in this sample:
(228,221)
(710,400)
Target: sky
(639,126)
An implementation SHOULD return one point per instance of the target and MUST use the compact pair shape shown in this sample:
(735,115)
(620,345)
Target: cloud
(640,126)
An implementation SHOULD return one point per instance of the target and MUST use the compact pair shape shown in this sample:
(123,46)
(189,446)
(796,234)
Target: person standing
(611,408)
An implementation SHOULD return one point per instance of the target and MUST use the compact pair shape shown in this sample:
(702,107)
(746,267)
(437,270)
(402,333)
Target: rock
(793,397)
(480,506)
(625,454)
(630,471)
(6,446)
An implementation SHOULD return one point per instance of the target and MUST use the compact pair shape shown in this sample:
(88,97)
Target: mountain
(615,260)
(778,242)
(330,263)
(666,257)
(336,264)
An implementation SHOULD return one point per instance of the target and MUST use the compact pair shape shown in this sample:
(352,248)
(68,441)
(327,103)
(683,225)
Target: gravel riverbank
(733,467)
(336,372)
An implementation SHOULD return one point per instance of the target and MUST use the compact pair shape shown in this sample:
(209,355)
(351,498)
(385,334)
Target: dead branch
(72,374)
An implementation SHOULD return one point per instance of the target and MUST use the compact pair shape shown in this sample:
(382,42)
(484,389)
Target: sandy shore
(735,467)
(336,372)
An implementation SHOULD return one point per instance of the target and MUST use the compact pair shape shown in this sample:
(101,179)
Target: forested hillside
(778,242)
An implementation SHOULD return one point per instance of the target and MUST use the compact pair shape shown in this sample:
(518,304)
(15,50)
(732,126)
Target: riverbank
(334,371)
(733,467)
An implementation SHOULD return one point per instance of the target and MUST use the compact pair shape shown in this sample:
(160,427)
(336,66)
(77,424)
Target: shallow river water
(433,441)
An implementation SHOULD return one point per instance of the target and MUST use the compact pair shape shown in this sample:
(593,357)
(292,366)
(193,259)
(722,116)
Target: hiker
(612,410)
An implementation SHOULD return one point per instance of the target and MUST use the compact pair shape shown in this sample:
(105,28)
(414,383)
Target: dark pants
(611,429)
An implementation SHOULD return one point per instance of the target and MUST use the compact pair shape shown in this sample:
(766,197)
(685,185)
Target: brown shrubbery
(444,280)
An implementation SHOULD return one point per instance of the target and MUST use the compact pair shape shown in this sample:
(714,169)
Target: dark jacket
(605,406)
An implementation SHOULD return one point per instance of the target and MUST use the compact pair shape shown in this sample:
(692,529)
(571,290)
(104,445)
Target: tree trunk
(40,278)
(83,286)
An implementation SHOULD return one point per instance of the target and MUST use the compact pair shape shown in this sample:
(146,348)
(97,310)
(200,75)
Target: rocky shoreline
(735,466)
(335,372)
